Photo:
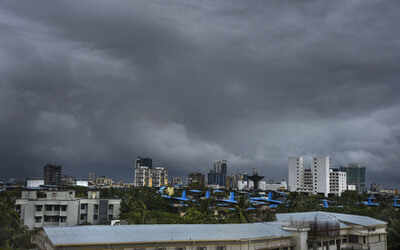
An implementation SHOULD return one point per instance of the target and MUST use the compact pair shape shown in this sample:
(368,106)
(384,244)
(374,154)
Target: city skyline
(90,86)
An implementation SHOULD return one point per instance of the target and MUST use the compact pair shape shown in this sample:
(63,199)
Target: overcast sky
(93,84)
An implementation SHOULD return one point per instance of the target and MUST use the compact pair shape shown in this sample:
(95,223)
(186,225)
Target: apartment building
(337,181)
(296,174)
(148,176)
(318,179)
(62,208)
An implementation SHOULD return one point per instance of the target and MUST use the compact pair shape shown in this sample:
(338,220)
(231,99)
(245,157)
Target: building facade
(320,171)
(34,182)
(159,176)
(296,173)
(356,175)
(148,176)
(196,180)
(291,231)
(52,175)
(62,208)
(319,179)
(217,175)
(337,181)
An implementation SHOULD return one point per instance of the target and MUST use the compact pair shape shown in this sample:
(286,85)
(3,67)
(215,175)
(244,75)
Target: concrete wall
(258,244)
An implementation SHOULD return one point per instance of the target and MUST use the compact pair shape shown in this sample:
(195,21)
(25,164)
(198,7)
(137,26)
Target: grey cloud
(92,85)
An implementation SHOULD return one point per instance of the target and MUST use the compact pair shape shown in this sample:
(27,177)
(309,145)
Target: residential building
(62,208)
(177,180)
(217,175)
(300,231)
(337,181)
(142,170)
(264,186)
(296,173)
(52,174)
(308,186)
(68,180)
(159,176)
(196,180)
(92,177)
(148,176)
(317,179)
(103,181)
(356,175)
(320,172)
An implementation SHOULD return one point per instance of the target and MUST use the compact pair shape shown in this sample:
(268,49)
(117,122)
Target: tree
(13,234)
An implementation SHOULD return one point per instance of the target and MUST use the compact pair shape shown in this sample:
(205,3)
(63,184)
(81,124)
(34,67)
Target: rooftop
(342,219)
(87,235)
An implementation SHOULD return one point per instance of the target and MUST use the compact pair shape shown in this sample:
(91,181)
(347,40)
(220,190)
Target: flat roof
(327,216)
(131,234)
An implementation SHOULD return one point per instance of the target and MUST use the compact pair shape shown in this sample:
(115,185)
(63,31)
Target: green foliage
(13,235)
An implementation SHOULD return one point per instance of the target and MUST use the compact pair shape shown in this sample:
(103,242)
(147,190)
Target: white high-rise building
(296,173)
(320,172)
(317,179)
(337,181)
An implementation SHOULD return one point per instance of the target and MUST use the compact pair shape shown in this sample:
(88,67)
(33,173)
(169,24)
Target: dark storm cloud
(93,84)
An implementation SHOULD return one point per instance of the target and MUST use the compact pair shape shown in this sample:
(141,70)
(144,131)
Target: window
(48,207)
(353,238)
(41,194)
(95,216)
(83,206)
(180,248)
(110,217)
(331,242)
(223,248)
(111,206)
(39,208)
(46,218)
(38,219)
(83,216)
(63,207)
(201,248)
(57,208)
(63,218)
(161,248)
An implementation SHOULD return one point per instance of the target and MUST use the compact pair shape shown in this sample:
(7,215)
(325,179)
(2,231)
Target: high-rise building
(296,173)
(196,180)
(337,181)
(217,175)
(159,176)
(356,176)
(147,176)
(320,172)
(317,179)
(177,180)
(142,172)
(52,174)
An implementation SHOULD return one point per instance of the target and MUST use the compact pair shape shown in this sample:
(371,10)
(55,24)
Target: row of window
(344,240)
(38,219)
(95,207)
(95,217)
(51,208)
